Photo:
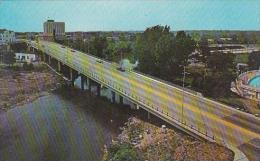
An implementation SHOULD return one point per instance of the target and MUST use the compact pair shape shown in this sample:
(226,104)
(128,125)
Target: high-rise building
(53,30)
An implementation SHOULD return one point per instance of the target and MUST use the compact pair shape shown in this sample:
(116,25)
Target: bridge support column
(120,99)
(149,115)
(71,77)
(44,57)
(98,89)
(59,67)
(89,84)
(113,95)
(49,60)
(83,80)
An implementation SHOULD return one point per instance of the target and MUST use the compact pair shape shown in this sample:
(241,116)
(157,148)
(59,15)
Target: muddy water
(65,125)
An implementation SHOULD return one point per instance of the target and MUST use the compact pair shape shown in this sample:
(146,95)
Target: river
(64,125)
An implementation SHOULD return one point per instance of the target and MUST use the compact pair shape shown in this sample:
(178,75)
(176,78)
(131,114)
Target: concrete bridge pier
(49,59)
(72,76)
(44,57)
(121,99)
(83,81)
(113,96)
(89,81)
(98,89)
(59,66)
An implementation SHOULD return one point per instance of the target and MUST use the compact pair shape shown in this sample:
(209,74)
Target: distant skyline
(28,16)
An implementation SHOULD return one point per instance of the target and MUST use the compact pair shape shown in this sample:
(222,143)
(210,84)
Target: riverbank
(19,86)
(140,140)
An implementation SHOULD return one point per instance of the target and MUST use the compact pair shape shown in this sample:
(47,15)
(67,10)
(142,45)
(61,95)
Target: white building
(6,36)
(24,57)
(52,28)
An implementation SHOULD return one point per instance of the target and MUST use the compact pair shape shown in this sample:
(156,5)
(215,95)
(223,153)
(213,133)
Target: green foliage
(254,60)
(196,37)
(204,50)
(18,47)
(9,58)
(27,66)
(215,81)
(98,46)
(161,54)
(217,84)
(122,152)
(242,58)
(221,61)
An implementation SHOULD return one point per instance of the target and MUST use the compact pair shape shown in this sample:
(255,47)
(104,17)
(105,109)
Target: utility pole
(183,81)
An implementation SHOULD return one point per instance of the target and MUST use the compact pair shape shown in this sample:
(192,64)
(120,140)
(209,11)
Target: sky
(132,15)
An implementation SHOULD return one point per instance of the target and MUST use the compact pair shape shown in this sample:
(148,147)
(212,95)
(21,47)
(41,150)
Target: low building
(25,57)
(6,36)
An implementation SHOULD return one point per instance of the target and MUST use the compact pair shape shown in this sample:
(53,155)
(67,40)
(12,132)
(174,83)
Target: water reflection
(66,125)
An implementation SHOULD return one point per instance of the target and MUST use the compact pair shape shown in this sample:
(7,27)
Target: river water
(65,125)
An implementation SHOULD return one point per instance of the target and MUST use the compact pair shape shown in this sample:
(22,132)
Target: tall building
(6,36)
(53,30)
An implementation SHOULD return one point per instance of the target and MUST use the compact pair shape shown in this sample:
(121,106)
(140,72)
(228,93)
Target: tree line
(164,54)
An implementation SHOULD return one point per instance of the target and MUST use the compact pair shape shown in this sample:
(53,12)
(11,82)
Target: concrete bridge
(185,110)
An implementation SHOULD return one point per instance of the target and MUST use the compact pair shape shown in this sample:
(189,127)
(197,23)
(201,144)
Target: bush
(27,66)
(258,105)
(122,152)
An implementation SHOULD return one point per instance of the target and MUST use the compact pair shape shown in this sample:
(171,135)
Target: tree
(98,46)
(18,47)
(204,51)
(111,50)
(146,51)
(254,38)
(254,60)
(241,37)
(196,37)
(9,58)
(221,61)
(162,54)
(183,47)
(217,84)
(221,72)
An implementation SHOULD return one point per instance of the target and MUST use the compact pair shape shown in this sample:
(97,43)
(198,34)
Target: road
(207,118)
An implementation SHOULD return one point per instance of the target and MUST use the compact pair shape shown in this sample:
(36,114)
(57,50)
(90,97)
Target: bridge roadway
(188,111)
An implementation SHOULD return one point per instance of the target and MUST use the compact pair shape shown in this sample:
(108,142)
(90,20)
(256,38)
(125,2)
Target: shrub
(27,66)
(122,152)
